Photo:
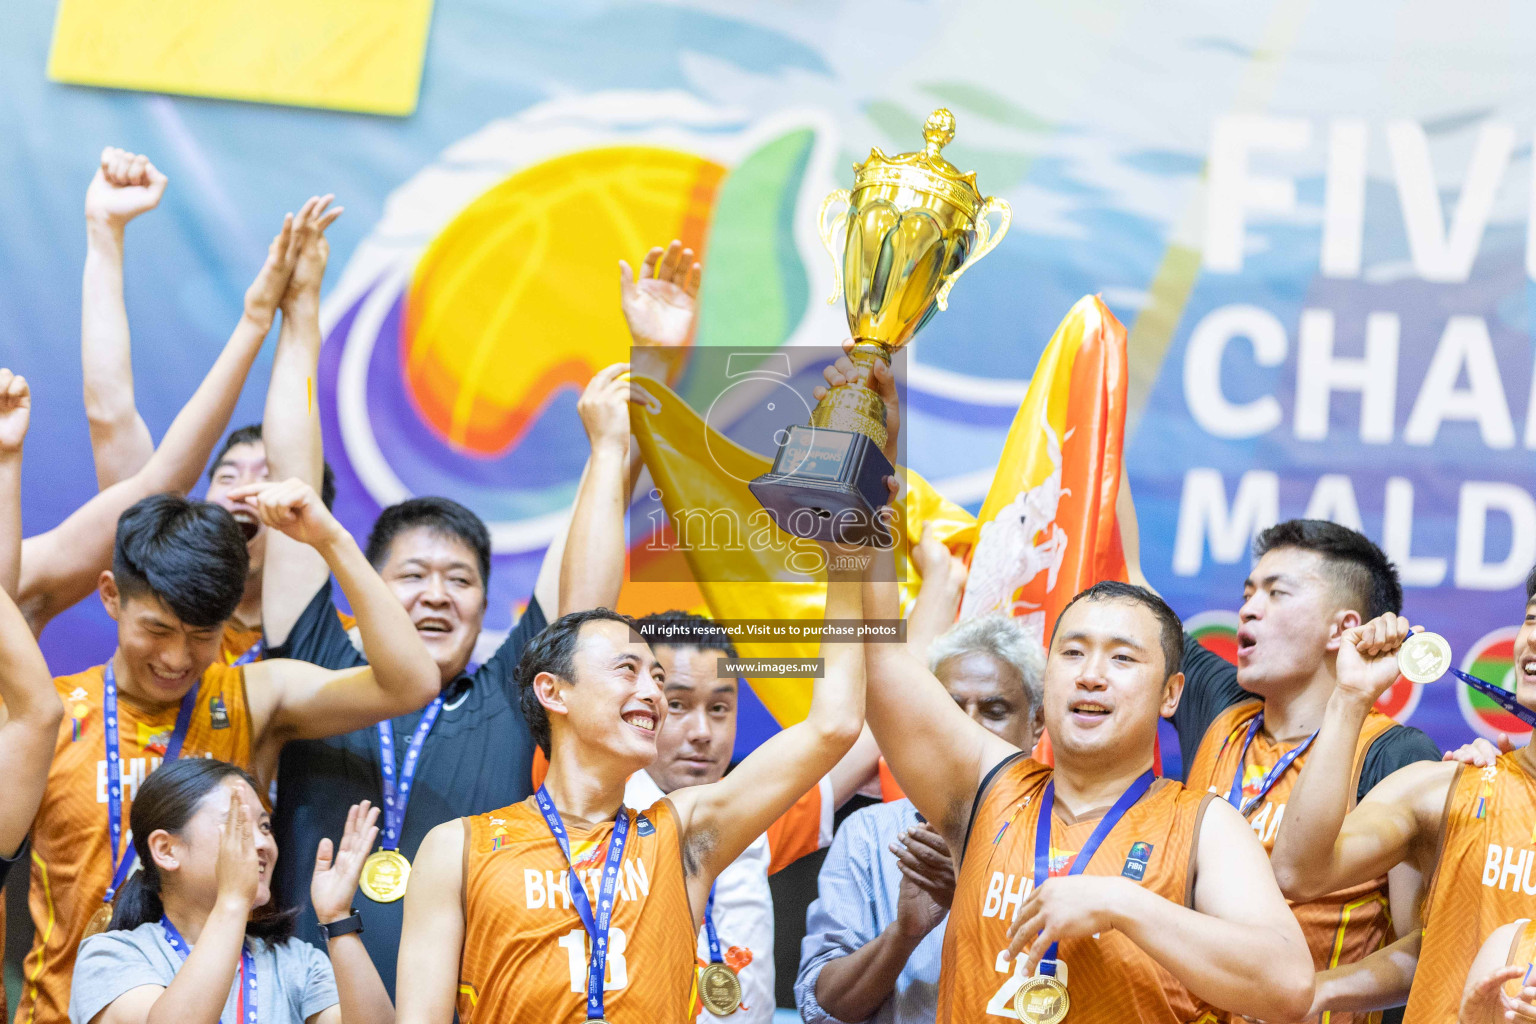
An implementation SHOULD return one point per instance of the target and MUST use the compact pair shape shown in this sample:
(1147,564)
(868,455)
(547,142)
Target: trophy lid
(925,170)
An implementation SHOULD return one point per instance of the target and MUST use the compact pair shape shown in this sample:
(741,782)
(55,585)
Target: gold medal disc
(99,921)
(1042,1000)
(1424,657)
(385,874)
(719,990)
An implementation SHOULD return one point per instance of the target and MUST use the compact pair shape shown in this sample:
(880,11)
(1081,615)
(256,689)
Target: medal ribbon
(1080,863)
(129,857)
(597,927)
(252,653)
(1235,796)
(247,996)
(397,797)
(710,935)
(1503,698)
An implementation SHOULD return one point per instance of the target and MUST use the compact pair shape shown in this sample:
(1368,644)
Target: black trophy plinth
(827,485)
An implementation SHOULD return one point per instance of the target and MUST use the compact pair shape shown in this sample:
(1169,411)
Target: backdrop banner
(1314,220)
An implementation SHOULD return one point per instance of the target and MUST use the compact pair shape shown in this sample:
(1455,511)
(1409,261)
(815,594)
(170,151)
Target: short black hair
(188,553)
(1358,567)
(440,515)
(251,434)
(1530,585)
(553,651)
(1171,629)
(685,631)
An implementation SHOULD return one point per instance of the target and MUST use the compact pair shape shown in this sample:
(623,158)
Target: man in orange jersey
(1467,828)
(1090,885)
(1246,731)
(178,571)
(490,920)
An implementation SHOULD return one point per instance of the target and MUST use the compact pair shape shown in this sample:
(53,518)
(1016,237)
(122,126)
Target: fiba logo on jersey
(1492,659)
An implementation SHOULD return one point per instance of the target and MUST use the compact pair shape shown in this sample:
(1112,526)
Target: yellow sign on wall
(339,54)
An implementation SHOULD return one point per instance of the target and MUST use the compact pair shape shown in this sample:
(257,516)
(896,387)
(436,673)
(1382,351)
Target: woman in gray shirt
(192,939)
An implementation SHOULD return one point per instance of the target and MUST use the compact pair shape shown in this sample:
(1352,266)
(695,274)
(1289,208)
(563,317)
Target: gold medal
(1042,1000)
(719,990)
(385,874)
(99,921)
(1424,657)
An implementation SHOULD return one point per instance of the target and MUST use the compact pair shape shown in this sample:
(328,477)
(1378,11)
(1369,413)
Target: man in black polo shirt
(435,555)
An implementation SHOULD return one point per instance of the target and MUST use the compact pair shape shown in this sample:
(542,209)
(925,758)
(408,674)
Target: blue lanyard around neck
(710,935)
(1235,794)
(398,797)
(1101,832)
(126,858)
(597,926)
(247,1001)
(1503,698)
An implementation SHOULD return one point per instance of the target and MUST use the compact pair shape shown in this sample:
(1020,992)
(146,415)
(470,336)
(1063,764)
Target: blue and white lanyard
(128,857)
(1235,795)
(710,935)
(396,798)
(247,1001)
(1095,840)
(252,653)
(597,927)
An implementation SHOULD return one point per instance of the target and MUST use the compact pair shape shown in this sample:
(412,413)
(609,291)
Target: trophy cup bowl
(911,226)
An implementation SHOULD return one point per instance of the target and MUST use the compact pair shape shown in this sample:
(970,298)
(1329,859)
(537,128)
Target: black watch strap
(346,926)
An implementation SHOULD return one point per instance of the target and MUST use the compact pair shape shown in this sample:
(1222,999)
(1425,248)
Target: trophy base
(828,485)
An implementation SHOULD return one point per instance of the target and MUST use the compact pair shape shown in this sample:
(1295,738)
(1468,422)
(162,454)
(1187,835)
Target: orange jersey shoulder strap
(1221,745)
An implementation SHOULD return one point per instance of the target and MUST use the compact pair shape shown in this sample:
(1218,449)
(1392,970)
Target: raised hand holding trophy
(912,225)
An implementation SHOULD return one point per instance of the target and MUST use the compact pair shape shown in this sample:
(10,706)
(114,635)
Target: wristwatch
(346,926)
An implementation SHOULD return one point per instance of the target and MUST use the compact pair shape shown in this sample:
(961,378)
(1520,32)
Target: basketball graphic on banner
(1491,659)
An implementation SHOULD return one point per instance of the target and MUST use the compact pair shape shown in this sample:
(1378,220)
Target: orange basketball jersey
(1342,927)
(525,948)
(72,858)
(1485,877)
(1110,980)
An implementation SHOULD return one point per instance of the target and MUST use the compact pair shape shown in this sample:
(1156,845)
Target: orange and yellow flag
(1048,529)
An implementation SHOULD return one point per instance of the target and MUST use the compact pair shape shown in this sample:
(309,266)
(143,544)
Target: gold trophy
(912,225)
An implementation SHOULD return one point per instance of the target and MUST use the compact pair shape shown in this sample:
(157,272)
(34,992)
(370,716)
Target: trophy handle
(986,241)
(829,232)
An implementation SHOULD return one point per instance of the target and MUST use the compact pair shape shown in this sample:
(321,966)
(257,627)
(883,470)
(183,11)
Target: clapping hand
(271,284)
(314,254)
(338,868)
(927,880)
